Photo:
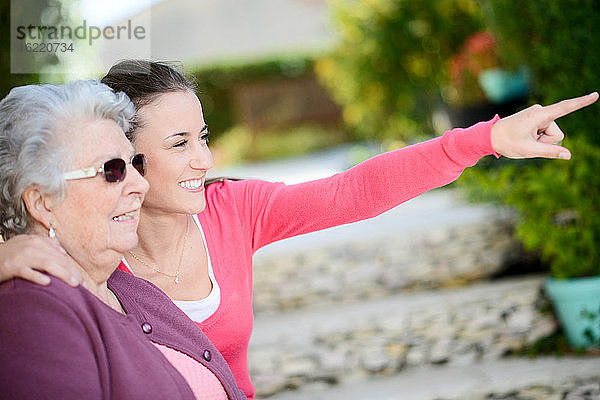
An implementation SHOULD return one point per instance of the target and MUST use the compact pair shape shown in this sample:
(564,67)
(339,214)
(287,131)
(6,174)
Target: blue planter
(501,86)
(577,302)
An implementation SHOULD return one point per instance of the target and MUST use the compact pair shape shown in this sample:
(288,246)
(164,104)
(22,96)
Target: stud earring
(51,232)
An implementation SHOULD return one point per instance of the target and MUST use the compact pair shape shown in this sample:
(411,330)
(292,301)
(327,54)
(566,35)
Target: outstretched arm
(389,179)
(24,256)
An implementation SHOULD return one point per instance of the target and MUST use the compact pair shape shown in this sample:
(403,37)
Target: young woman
(197,239)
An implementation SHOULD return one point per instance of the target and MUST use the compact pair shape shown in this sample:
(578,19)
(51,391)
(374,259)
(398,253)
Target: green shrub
(238,144)
(557,203)
(559,209)
(9,80)
(558,41)
(391,61)
(216,86)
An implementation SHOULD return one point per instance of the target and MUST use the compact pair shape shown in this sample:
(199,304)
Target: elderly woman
(68,171)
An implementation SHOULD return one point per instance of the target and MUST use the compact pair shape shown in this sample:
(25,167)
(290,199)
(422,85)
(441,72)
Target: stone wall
(358,340)
(588,389)
(378,266)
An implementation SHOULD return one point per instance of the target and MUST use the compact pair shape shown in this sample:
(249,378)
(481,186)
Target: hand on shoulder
(25,256)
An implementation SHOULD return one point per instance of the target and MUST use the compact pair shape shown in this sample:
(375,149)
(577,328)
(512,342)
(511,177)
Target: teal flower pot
(501,86)
(577,303)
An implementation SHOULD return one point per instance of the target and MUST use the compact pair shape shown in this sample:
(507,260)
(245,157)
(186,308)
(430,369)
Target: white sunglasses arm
(82,173)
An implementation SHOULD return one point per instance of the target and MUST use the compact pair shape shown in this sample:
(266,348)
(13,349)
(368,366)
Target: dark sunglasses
(113,170)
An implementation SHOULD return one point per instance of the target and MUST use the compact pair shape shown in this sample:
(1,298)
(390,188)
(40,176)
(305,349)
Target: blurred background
(451,282)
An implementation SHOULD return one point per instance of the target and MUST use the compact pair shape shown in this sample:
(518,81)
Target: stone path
(388,336)
(276,328)
(370,311)
(542,378)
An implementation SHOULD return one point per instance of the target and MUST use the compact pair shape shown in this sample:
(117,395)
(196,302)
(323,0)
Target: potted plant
(560,218)
(558,200)
(478,86)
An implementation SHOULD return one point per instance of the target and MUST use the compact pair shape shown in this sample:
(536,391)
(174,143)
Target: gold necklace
(176,276)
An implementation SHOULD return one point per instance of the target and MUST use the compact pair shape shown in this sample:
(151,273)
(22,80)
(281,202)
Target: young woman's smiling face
(174,136)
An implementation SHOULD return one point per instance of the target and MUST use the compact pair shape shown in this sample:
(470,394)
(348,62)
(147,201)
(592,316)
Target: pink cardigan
(241,217)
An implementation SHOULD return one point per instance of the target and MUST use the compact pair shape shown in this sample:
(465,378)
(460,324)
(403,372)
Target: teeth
(124,217)
(192,184)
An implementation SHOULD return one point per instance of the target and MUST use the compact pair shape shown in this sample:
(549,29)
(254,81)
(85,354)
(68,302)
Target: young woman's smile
(193,185)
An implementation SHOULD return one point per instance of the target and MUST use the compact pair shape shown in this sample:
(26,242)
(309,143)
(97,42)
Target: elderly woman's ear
(39,204)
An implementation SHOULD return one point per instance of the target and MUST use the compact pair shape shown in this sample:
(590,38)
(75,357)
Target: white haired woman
(68,171)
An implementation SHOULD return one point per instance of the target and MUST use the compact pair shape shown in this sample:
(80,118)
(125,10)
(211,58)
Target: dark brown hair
(144,81)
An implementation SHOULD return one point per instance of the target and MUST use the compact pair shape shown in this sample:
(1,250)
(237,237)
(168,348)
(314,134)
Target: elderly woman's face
(97,220)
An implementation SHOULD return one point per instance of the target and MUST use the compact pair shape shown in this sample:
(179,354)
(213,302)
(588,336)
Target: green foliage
(8,80)
(238,144)
(555,344)
(217,84)
(558,41)
(558,201)
(35,12)
(559,209)
(391,63)
(558,206)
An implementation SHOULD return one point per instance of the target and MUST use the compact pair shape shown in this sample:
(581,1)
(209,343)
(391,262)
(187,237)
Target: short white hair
(32,137)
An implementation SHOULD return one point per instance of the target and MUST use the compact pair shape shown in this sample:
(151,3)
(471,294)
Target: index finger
(565,107)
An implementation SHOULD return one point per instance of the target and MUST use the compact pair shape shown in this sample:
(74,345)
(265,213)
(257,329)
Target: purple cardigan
(59,342)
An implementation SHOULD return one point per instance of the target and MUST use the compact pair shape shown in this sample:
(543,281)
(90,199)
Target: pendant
(177,280)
